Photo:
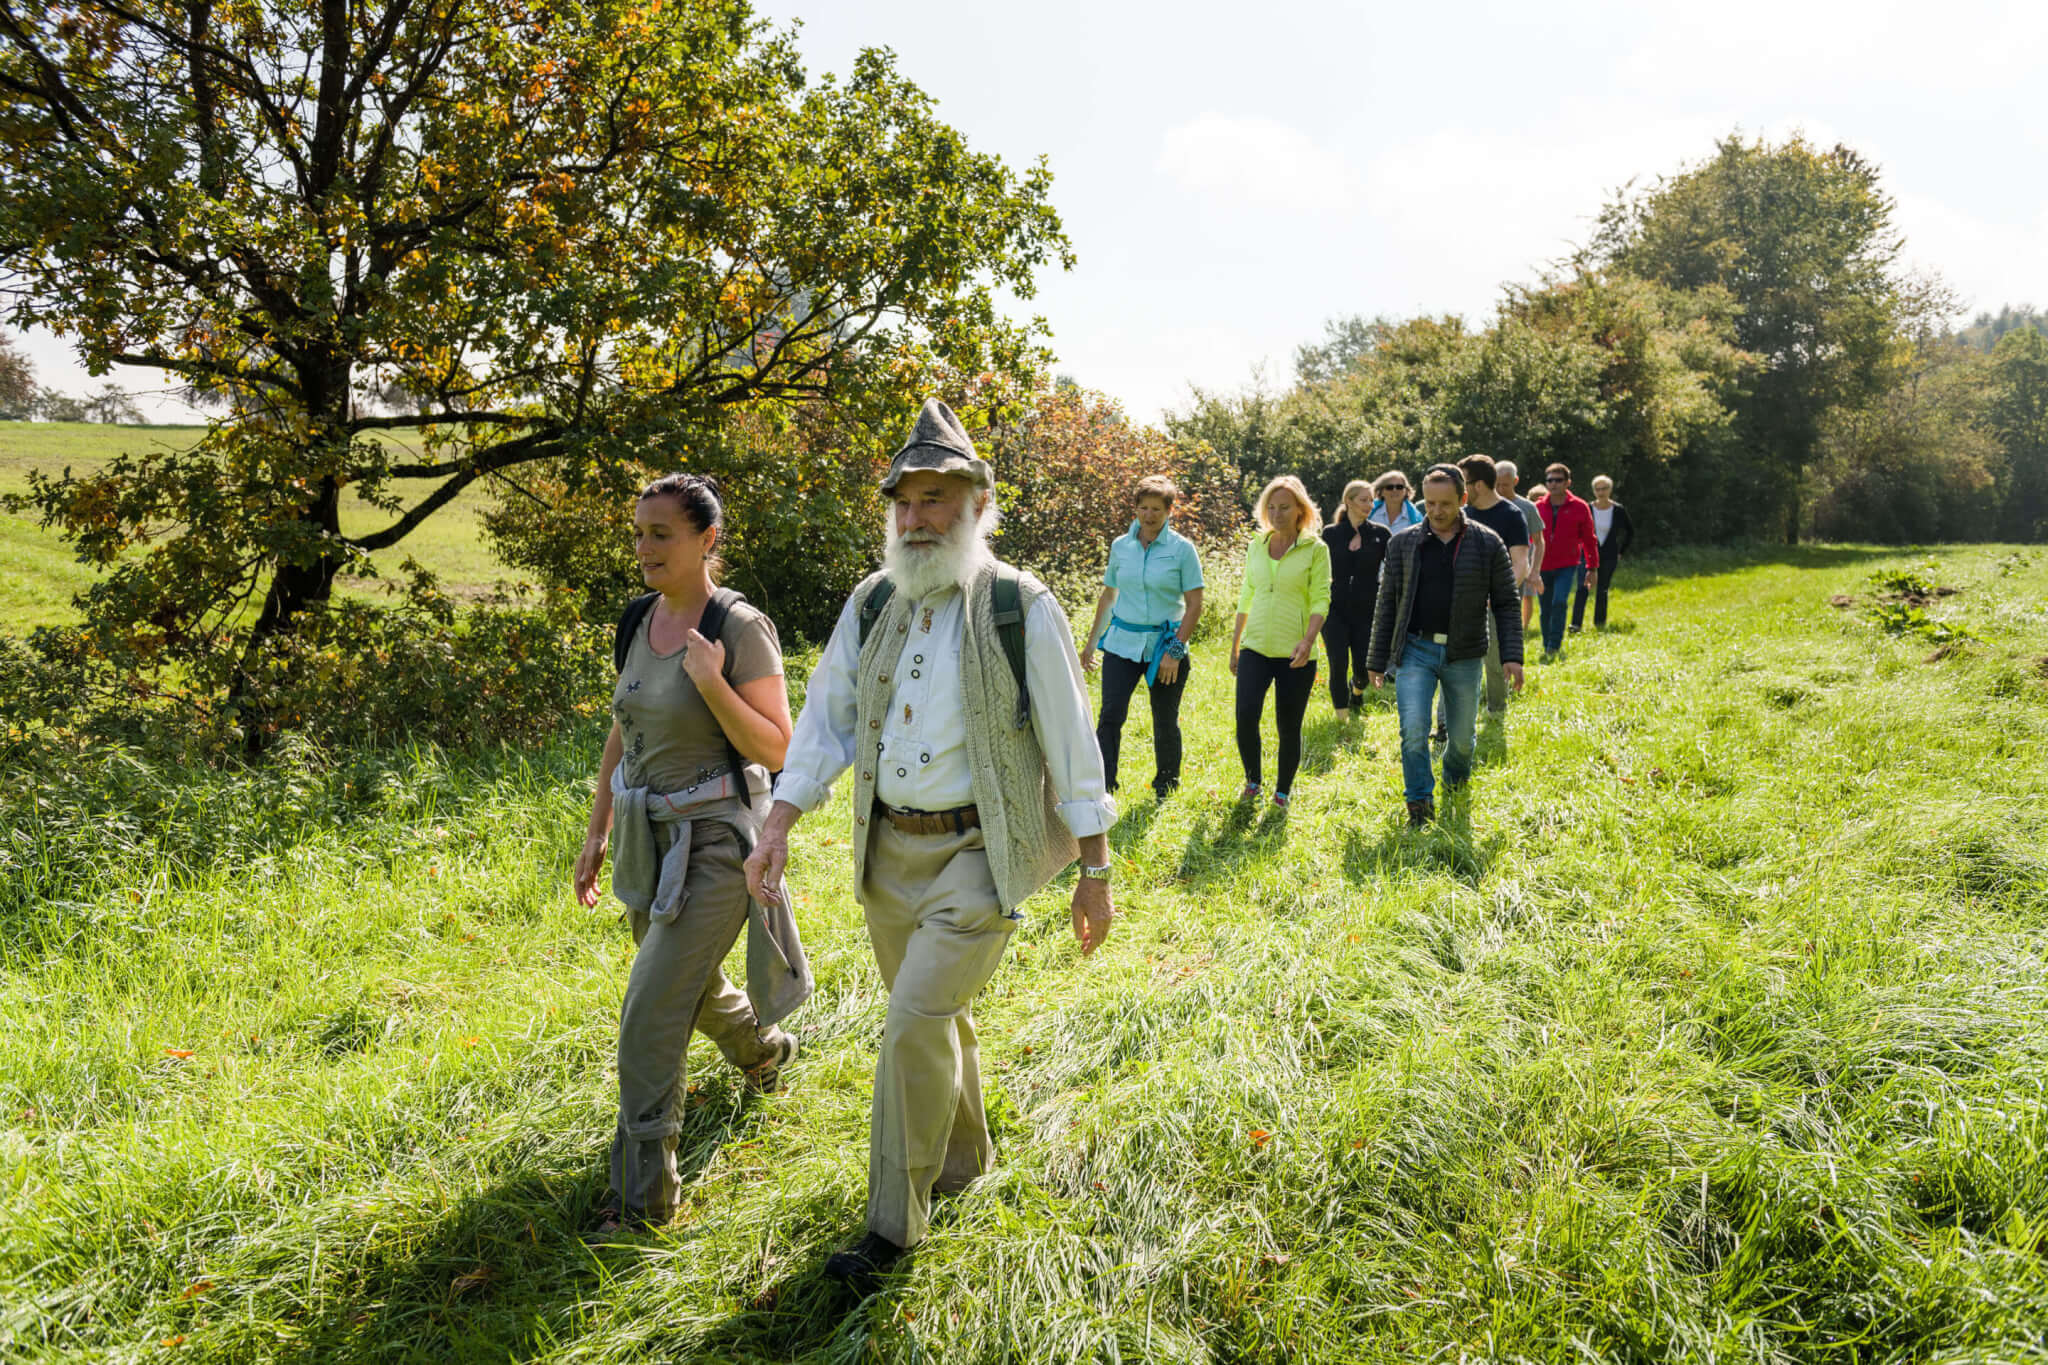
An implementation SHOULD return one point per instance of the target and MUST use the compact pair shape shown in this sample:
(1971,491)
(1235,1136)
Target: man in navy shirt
(1505,520)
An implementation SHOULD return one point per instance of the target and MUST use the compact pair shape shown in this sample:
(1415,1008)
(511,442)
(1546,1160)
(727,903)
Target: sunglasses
(1395,488)
(1556,480)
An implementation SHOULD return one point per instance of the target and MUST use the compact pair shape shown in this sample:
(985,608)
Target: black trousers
(1347,639)
(1605,576)
(1121,677)
(1291,689)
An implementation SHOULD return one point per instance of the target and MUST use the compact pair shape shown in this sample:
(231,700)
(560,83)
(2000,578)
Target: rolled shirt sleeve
(821,744)
(1059,716)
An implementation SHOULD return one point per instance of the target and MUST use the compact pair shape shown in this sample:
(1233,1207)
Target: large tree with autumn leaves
(514,230)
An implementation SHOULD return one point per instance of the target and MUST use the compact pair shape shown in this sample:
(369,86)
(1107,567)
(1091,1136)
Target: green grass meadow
(1713,1026)
(39,574)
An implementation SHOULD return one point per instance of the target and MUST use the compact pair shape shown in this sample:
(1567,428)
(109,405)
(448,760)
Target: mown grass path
(1715,1029)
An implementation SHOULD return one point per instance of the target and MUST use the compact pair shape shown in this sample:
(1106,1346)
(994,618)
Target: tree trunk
(296,586)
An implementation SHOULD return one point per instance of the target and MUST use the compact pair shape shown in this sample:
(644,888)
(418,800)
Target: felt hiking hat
(939,443)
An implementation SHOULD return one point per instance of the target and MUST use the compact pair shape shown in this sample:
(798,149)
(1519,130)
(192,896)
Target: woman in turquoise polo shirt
(1151,600)
(1280,611)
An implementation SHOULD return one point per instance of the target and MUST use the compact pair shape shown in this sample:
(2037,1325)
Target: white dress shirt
(923,748)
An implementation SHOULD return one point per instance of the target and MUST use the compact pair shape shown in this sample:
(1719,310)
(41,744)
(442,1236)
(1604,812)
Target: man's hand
(1304,650)
(1514,672)
(1233,661)
(1088,659)
(1380,679)
(1169,669)
(1093,911)
(771,854)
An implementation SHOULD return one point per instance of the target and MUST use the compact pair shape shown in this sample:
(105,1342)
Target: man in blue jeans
(1441,580)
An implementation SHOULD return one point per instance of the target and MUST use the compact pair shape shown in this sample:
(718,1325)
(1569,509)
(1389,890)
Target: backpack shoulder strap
(871,607)
(629,622)
(1009,623)
(723,600)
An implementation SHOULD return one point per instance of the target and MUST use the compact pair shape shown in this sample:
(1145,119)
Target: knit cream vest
(1028,843)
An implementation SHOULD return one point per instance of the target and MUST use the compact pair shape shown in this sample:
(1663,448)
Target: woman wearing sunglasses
(1391,507)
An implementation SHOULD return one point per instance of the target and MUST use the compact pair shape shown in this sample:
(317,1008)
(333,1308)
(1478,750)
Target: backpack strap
(629,622)
(709,624)
(871,607)
(1009,622)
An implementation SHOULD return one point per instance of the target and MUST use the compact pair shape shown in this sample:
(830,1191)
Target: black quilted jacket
(1482,578)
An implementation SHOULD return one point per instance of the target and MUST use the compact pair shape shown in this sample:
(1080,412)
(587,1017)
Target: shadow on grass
(1132,820)
(511,1266)
(1702,561)
(1448,844)
(1249,828)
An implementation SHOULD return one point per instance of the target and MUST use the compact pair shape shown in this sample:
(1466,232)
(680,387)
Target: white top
(1603,521)
(923,749)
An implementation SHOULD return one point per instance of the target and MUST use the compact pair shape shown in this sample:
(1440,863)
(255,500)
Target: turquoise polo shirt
(1152,583)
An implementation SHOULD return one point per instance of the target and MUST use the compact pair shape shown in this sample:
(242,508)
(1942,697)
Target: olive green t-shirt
(672,741)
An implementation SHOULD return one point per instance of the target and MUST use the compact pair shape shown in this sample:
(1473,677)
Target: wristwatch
(1100,874)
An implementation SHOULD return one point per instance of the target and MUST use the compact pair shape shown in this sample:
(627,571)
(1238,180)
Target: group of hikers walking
(952,690)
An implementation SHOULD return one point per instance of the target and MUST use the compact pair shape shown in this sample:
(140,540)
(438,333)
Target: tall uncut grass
(1713,1026)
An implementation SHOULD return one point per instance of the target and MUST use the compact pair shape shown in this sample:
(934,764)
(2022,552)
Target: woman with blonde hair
(1392,507)
(1280,612)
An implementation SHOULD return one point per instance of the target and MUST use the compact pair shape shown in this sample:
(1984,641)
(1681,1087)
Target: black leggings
(1121,677)
(1347,639)
(1291,688)
(1603,578)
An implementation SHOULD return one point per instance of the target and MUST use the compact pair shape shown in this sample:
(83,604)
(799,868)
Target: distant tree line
(1736,345)
(23,400)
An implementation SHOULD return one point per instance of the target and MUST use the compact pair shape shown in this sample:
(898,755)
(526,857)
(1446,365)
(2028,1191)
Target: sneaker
(1163,790)
(861,1266)
(1421,812)
(1440,735)
(1280,800)
(1250,792)
(764,1077)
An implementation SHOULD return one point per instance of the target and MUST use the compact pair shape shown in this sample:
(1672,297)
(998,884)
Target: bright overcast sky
(1232,175)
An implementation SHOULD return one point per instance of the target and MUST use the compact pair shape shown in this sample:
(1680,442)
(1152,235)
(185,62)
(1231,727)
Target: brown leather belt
(930,821)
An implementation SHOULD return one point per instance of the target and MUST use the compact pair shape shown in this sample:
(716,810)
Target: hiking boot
(1421,812)
(861,1266)
(764,1077)
(1440,735)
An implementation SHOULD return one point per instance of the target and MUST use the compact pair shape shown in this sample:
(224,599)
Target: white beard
(921,571)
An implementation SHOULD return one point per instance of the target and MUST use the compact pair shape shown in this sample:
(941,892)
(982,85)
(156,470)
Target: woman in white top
(1391,507)
(1615,532)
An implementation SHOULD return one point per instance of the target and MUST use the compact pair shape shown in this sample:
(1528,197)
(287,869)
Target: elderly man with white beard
(968,798)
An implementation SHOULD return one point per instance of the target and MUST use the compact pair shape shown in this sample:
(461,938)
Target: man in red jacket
(1569,541)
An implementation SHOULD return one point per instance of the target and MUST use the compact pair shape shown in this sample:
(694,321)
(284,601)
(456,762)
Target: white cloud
(1255,162)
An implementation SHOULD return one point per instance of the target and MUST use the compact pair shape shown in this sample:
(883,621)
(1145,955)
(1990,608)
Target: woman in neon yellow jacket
(1280,611)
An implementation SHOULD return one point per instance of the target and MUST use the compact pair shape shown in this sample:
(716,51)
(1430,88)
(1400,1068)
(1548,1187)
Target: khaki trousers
(677,984)
(938,930)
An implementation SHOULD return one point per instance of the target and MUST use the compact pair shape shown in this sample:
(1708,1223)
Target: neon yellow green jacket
(1280,595)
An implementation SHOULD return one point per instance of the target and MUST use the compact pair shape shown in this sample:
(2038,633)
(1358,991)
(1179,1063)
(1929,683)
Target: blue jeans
(1416,681)
(1556,605)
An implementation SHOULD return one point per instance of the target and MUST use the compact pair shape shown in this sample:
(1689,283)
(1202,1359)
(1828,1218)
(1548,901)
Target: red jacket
(1568,536)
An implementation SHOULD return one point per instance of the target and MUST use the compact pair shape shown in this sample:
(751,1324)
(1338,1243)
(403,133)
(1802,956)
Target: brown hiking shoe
(1421,812)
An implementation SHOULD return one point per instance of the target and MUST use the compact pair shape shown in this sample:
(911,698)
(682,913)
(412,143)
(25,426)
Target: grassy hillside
(38,574)
(1714,1028)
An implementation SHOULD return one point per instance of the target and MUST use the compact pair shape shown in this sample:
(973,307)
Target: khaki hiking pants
(938,931)
(676,984)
